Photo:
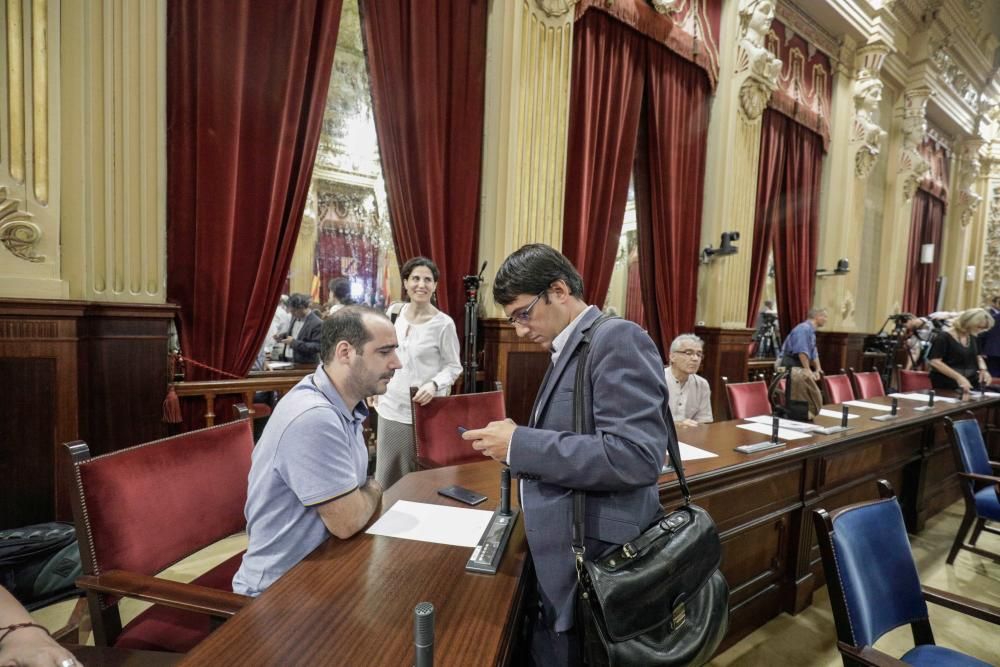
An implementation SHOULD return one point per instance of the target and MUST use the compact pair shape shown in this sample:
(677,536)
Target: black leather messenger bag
(659,599)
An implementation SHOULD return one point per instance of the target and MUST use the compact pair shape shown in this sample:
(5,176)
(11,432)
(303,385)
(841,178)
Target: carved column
(29,159)
(113,120)
(748,76)
(989,284)
(962,226)
(906,168)
(300,272)
(528,68)
(856,144)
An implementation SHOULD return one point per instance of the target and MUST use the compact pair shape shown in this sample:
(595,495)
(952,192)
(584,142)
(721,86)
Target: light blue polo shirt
(312,450)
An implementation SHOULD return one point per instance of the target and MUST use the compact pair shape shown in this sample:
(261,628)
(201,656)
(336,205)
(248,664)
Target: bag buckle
(677,617)
(629,551)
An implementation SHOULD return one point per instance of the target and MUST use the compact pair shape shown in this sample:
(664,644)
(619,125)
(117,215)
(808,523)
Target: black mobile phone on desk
(462,495)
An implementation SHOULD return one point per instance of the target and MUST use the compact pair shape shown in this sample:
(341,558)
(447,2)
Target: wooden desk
(351,602)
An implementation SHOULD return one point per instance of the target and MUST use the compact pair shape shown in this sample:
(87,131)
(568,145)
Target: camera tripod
(469,364)
(768,340)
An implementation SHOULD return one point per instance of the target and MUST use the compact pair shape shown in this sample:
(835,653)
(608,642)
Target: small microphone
(483,267)
(895,406)
(930,398)
(505,491)
(423,634)
(774,429)
(843,417)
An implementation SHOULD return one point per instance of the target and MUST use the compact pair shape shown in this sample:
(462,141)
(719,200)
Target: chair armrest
(189,597)
(968,606)
(868,656)
(989,479)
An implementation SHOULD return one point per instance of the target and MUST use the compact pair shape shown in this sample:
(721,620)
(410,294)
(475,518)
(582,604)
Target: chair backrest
(967,438)
(867,384)
(146,507)
(748,399)
(837,388)
(914,380)
(435,426)
(870,572)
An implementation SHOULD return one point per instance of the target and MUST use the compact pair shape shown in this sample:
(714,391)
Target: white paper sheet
(835,414)
(913,396)
(692,453)
(279,365)
(868,406)
(783,433)
(784,423)
(432,523)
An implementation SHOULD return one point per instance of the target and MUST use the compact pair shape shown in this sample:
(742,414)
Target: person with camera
(799,349)
(428,349)
(954,357)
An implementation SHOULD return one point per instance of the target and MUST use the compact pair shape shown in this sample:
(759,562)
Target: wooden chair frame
(971,517)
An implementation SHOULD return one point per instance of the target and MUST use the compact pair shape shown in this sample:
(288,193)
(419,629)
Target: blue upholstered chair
(874,586)
(980,485)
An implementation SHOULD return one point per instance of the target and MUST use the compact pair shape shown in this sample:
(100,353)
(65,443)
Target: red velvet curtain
(427,65)
(919,295)
(787,212)
(669,181)
(246,88)
(634,309)
(770,179)
(604,107)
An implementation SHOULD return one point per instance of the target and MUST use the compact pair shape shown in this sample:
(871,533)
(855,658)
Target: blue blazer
(618,467)
(989,341)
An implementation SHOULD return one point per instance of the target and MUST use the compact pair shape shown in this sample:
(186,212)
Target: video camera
(768,319)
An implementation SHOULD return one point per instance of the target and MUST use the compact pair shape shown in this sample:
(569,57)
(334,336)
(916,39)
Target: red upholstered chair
(914,380)
(142,509)
(748,399)
(867,384)
(435,427)
(837,388)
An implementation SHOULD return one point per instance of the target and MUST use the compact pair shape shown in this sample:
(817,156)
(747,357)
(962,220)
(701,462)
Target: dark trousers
(548,648)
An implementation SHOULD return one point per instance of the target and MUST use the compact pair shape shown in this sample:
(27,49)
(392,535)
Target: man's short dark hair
(531,270)
(298,300)
(347,324)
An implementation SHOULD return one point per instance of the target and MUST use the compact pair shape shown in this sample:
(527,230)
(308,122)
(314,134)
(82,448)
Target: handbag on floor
(659,599)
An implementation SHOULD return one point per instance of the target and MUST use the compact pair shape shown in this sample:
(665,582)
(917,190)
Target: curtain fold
(604,108)
(770,179)
(427,65)
(243,124)
(669,182)
(634,309)
(927,226)
(796,234)
(787,217)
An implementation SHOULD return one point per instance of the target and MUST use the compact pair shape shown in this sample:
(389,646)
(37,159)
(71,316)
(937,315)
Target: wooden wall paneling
(832,349)
(123,378)
(38,342)
(727,352)
(855,353)
(519,365)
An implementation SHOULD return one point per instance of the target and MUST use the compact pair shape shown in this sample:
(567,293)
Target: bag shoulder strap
(581,399)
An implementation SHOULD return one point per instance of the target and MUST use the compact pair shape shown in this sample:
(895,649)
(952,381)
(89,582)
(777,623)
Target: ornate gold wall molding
(867,136)
(757,69)
(30,226)
(528,68)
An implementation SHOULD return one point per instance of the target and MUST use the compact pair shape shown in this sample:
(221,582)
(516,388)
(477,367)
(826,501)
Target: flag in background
(314,290)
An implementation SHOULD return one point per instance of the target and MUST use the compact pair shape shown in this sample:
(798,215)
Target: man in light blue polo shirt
(309,477)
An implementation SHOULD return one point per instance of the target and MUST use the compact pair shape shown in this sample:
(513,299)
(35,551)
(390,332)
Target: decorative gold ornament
(17,233)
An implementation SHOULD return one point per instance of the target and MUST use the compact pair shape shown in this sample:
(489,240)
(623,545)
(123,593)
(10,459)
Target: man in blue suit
(618,466)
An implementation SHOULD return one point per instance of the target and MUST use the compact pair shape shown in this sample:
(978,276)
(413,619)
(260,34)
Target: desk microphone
(774,428)
(843,417)
(895,406)
(505,491)
(423,634)
(930,398)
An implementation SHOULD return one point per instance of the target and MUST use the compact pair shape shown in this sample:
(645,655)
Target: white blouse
(428,351)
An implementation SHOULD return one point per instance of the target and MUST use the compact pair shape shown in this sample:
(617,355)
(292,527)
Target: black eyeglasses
(523,315)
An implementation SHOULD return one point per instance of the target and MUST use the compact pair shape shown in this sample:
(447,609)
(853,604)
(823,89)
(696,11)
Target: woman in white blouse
(428,349)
